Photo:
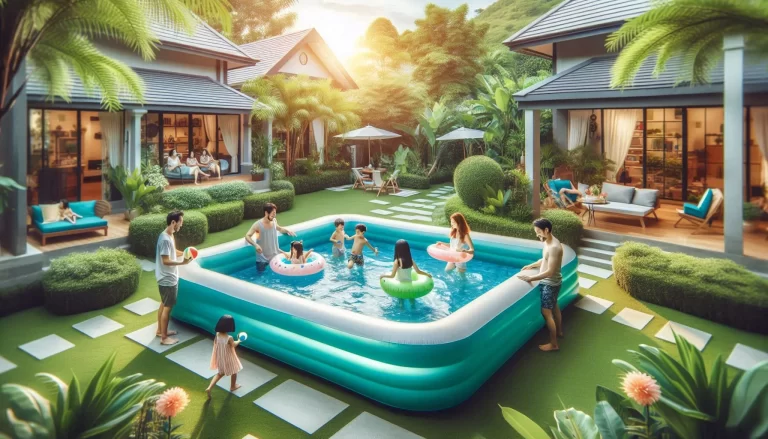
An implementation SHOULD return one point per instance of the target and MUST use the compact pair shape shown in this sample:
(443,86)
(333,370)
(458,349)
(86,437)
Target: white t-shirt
(173,162)
(166,275)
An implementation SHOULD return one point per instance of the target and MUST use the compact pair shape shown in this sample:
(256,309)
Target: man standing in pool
(266,240)
(551,280)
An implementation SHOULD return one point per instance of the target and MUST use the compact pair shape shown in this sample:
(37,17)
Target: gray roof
(162,91)
(269,52)
(204,40)
(574,18)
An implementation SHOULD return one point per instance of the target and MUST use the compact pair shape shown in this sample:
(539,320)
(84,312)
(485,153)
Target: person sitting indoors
(194,167)
(207,161)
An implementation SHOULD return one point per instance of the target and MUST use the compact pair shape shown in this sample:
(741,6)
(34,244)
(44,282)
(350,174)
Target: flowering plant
(594,190)
(172,402)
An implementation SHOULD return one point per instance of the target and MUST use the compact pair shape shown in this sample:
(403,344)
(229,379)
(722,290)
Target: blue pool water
(358,289)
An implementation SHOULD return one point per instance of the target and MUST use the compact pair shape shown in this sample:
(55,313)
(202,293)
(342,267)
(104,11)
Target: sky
(342,22)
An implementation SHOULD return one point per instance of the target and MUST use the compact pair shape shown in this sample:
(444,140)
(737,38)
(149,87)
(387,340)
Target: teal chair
(704,212)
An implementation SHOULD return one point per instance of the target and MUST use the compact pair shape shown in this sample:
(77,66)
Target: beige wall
(313,68)
(573,52)
(165,60)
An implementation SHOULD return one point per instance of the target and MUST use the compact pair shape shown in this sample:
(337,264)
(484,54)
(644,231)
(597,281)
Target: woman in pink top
(224,358)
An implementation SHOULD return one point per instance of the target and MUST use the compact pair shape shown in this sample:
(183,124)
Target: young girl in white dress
(224,358)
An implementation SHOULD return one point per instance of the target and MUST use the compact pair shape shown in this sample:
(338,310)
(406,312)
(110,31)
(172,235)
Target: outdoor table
(369,171)
(591,211)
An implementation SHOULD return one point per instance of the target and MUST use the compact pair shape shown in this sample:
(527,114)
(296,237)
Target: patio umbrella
(369,133)
(463,134)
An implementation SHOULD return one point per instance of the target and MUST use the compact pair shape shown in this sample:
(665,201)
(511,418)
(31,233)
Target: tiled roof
(269,52)
(204,39)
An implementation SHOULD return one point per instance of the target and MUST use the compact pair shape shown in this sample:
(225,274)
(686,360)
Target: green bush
(25,294)
(254,204)
(566,226)
(223,216)
(715,289)
(471,177)
(144,231)
(231,191)
(185,198)
(304,184)
(81,282)
(413,181)
(442,175)
(279,185)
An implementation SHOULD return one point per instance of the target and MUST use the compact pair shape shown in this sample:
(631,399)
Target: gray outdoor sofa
(628,201)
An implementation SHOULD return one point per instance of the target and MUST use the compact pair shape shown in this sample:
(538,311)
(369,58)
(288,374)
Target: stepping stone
(694,336)
(335,189)
(196,357)
(434,195)
(594,304)
(6,365)
(406,193)
(632,318)
(441,203)
(301,406)
(422,200)
(448,186)
(594,271)
(379,202)
(428,206)
(381,212)
(445,197)
(421,218)
(250,378)
(368,425)
(408,210)
(147,265)
(97,326)
(596,262)
(47,346)
(742,357)
(403,217)
(586,283)
(143,306)
(147,338)
(409,204)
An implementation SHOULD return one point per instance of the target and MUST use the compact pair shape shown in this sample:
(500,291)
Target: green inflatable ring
(421,286)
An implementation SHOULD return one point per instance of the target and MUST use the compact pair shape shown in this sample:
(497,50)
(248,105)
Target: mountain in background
(505,17)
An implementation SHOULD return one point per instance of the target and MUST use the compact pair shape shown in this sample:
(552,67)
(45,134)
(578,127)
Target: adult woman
(460,241)
(174,162)
(208,162)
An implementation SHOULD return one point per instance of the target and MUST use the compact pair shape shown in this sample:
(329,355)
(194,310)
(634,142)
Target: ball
(242,336)
(190,253)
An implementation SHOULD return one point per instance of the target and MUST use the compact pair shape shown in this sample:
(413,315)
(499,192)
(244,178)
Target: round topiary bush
(471,177)
(81,282)
(185,199)
(144,231)
(223,216)
(279,185)
(231,191)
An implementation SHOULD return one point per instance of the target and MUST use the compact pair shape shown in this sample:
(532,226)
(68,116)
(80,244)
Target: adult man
(551,280)
(266,240)
(167,260)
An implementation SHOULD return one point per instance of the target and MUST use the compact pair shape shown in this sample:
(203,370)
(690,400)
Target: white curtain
(230,132)
(209,121)
(111,136)
(578,126)
(760,125)
(618,131)
(318,131)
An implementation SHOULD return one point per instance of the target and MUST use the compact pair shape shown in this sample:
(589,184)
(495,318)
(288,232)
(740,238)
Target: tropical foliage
(6,185)
(505,17)
(131,186)
(254,20)
(380,51)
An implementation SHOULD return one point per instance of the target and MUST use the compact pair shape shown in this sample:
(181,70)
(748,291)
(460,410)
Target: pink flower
(172,402)
(642,388)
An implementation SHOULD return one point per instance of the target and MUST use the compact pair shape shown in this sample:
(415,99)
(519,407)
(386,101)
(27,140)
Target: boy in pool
(338,237)
(356,256)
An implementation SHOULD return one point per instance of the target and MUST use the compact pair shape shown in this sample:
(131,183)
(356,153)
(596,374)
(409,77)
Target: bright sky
(342,22)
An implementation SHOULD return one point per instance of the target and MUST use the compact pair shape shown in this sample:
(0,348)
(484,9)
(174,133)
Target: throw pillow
(618,194)
(50,213)
(645,197)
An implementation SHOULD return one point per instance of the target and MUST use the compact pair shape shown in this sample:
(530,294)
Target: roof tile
(269,52)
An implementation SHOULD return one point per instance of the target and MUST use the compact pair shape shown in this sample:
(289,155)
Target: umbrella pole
(369,150)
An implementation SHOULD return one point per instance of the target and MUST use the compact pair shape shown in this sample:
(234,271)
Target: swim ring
(448,255)
(281,265)
(420,286)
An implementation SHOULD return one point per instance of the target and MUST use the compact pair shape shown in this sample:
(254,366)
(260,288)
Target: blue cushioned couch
(92,213)
(183,173)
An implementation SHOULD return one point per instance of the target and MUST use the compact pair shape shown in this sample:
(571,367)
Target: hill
(505,17)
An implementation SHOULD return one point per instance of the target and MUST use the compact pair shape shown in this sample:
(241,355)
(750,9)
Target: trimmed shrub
(715,289)
(566,226)
(81,282)
(471,177)
(304,184)
(442,175)
(25,294)
(223,216)
(231,191)
(413,181)
(144,231)
(254,204)
(185,199)
(279,185)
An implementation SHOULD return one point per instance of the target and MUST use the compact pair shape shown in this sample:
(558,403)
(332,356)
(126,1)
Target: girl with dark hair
(297,255)
(224,358)
(460,241)
(65,212)
(404,264)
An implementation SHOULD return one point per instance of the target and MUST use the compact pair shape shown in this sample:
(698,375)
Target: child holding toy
(224,358)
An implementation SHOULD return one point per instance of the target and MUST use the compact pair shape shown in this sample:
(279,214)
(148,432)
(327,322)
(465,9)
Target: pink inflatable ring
(280,265)
(446,254)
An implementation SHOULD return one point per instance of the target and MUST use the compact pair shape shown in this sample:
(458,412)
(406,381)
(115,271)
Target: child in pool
(460,241)
(338,237)
(297,255)
(65,212)
(224,358)
(404,264)
(356,255)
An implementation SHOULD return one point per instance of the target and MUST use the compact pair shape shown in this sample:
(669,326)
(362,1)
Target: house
(679,139)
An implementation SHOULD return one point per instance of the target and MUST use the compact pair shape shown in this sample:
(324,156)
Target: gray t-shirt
(166,275)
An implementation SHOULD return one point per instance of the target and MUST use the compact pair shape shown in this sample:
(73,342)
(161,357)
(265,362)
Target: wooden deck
(207,182)
(118,228)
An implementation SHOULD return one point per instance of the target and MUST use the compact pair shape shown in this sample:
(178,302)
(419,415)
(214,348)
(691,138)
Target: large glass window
(53,170)
(705,150)
(93,154)
(632,172)
(175,134)
(758,163)
(150,138)
(664,151)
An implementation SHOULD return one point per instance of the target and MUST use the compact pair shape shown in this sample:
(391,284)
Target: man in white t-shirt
(167,260)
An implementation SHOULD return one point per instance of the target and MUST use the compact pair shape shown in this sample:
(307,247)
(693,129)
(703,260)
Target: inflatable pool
(422,365)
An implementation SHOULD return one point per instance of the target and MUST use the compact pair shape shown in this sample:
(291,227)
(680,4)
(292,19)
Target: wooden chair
(569,204)
(361,181)
(391,183)
(714,208)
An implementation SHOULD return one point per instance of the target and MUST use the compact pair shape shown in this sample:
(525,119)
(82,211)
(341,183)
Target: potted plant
(132,188)
(751,216)
(257,174)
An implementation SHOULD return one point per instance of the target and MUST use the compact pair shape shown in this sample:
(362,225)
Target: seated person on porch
(174,164)
(210,165)
(571,193)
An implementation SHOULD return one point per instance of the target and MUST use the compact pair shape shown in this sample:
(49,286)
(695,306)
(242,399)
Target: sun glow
(339,30)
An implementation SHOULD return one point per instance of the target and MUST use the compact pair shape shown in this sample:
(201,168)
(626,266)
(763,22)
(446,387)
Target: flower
(642,388)
(172,402)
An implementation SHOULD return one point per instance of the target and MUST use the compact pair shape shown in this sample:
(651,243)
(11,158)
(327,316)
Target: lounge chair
(391,183)
(92,213)
(361,181)
(704,212)
(553,187)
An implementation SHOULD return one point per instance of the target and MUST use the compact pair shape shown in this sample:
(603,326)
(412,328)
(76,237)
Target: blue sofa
(183,173)
(92,213)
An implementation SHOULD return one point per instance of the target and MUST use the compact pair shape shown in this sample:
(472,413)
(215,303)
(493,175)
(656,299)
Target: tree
(503,62)
(691,29)
(336,109)
(381,50)
(391,99)
(254,20)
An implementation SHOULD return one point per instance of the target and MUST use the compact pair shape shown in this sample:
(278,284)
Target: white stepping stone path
(382,212)
(143,306)
(441,203)
(409,210)
(196,358)
(413,217)
(742,357)
(694,336)
(382,202)
(6,365)
(301,406)
(445,197)
(147,265)
(97,326)
(370,426)
(406,193)
(593,304)
(147,338)
(47,346)
(586,283)
(434,195)
(250,378)
(594,271)
(422,200)
(632,318)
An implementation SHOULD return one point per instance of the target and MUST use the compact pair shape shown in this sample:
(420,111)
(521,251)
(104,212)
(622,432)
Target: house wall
(313,68)
(573,52)
(165,60)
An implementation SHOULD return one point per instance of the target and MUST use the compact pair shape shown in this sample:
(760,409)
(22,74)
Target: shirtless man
(266,240)
(551,280)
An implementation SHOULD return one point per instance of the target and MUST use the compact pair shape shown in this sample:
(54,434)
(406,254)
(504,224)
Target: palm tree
(691,29)
(336,109)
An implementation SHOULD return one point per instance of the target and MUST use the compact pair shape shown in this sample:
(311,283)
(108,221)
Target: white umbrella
(369,133)
(463,134)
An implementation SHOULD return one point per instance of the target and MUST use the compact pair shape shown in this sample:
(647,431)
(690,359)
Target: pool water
(358,289)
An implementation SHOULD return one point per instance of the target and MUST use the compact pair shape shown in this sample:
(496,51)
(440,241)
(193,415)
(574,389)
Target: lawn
(531,381)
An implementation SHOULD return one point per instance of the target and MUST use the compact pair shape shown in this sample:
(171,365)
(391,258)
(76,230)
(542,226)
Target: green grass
(531,381)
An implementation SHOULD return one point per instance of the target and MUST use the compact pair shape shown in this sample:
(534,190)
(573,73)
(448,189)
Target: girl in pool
(224,358)
(460,241)
(297,255)
(404,264)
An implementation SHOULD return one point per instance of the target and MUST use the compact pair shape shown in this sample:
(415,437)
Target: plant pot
(750,226)
(257,177)
(131,214)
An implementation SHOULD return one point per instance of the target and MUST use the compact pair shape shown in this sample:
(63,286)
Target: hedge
(230,191)
(185,199)
(144,231)
(254,204)
(304,184)
(24,295)
(223,216)
(715,289)
(442,175)
(81,282)
(279,185)
(567,227)
(471,177)
(413,181)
